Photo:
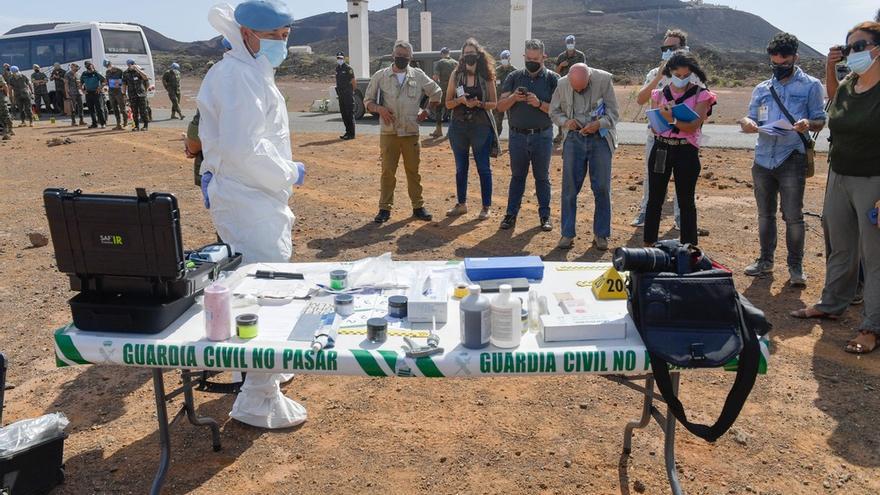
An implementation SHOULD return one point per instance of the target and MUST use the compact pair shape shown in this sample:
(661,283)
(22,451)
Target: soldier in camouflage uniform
(135,84)
(22,91)
(171,81)
(501,72)
(443,70)
(5,120)
(116,101)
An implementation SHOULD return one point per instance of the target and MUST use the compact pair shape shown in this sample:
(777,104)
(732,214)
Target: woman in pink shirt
(676,151)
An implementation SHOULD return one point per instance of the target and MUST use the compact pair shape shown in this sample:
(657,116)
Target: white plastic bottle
(506,319)
(475,319)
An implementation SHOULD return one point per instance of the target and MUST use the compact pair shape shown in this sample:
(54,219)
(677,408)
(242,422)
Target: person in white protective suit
(248,169)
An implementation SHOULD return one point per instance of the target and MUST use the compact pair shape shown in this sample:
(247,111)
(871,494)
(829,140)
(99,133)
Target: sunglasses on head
(669,48)
(856,46)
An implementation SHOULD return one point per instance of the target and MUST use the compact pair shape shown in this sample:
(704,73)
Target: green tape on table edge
(367,362)
(68,350)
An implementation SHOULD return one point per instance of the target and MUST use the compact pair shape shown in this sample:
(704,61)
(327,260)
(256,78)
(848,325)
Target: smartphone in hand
(872,215)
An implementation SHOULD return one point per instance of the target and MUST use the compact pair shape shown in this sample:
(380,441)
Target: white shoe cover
(261,403)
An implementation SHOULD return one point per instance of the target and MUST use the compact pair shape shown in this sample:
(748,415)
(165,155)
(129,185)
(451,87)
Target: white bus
(78,42)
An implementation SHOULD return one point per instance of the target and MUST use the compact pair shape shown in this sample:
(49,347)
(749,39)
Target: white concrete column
(520,30)
(359,37)
(425,31)
(403,24)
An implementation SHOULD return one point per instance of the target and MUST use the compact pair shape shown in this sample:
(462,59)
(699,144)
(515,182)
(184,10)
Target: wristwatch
(674,122)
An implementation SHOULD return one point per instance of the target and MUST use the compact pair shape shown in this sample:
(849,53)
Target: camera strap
(746,374)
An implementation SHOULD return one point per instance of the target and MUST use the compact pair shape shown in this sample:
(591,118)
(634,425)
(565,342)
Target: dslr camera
(666,256)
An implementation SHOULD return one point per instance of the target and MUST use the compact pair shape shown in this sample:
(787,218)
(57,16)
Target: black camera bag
(698,320)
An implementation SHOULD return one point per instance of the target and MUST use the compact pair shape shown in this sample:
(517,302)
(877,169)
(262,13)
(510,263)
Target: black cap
(340,55)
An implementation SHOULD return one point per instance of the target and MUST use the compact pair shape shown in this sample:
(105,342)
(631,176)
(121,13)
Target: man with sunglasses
(674,39)
(793,99)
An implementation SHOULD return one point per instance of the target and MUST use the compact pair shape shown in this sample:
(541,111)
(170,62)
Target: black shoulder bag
(698,320)
(809,143)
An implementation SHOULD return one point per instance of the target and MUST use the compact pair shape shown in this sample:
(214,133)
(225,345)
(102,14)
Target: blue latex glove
(206,179)
(301,173)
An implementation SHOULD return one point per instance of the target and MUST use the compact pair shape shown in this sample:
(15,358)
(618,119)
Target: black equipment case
(36,469)
(125,257)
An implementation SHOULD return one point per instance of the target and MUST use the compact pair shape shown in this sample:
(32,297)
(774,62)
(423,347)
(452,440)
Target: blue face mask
(859,62)
(666,55)
(274,50)
(679,82)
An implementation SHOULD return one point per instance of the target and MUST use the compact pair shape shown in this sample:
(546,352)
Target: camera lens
(641,260)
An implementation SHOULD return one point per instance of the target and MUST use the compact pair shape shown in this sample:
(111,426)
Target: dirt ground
(809,427)
(732,104)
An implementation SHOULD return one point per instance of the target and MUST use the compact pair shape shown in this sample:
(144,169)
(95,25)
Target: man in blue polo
(779,172)
(525,96)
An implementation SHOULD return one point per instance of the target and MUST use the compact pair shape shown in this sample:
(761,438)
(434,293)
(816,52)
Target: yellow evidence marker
(609,285)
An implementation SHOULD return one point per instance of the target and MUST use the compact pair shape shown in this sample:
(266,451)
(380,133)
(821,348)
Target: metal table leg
(189,407)
(669,443)
(164,434)
(647,405)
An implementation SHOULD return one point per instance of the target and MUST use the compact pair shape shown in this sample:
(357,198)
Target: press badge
(763,113)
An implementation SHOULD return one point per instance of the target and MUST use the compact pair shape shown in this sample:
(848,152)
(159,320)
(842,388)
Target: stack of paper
(779,128)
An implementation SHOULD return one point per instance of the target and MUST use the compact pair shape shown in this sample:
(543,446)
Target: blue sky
(813,21)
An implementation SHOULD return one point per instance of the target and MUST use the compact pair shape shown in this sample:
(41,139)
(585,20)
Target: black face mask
(780,72)
(533,66)
(401,62)
(470,59)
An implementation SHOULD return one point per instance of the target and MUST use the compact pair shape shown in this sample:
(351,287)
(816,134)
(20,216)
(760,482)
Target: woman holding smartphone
(676,151)
(852,195)
(471,96)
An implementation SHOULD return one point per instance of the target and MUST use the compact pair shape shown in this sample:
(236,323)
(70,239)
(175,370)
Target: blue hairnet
(129,62)
(505,54)
(263,15)
(226,44)
(175,66)
(13,69)
(106,63)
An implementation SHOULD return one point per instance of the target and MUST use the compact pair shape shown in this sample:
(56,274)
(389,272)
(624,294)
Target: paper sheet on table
(251,286)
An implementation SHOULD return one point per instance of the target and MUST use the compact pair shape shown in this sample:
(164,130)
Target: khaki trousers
(392,147)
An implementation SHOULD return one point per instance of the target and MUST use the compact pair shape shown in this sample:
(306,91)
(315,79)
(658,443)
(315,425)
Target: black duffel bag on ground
(694,318)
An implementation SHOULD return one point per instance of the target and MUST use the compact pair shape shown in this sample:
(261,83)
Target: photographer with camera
(781,164)
(676,151)
(471,96)
(852,195)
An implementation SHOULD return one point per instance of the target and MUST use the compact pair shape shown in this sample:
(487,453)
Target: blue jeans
(581,154)
(783,185)
(535,150)
(464,137)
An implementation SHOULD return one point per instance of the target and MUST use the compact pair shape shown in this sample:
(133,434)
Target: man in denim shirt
(780,160)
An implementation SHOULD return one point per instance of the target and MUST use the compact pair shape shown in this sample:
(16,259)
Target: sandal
(864,343)
(811,312)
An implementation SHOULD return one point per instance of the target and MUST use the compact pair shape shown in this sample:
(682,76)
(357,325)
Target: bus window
(73,49)
(15,52)
(123,42)
(47,51)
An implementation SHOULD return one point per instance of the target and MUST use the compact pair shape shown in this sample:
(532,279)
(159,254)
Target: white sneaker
(459,209)
(484,213)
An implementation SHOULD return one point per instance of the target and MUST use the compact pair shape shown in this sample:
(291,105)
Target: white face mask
(569,46)
(339,61)
(505,62)
(680,82)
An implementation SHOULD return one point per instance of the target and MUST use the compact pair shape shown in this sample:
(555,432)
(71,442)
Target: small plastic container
(339,280)
(246,325)
(377,330)
(218,313)
(506,321)
(397,306)
(344,305)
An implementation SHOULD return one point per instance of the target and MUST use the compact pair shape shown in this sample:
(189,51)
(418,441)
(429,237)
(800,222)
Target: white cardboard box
(566,328)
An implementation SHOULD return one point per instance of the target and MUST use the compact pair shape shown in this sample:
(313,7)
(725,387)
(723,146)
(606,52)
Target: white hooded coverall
(245,138)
